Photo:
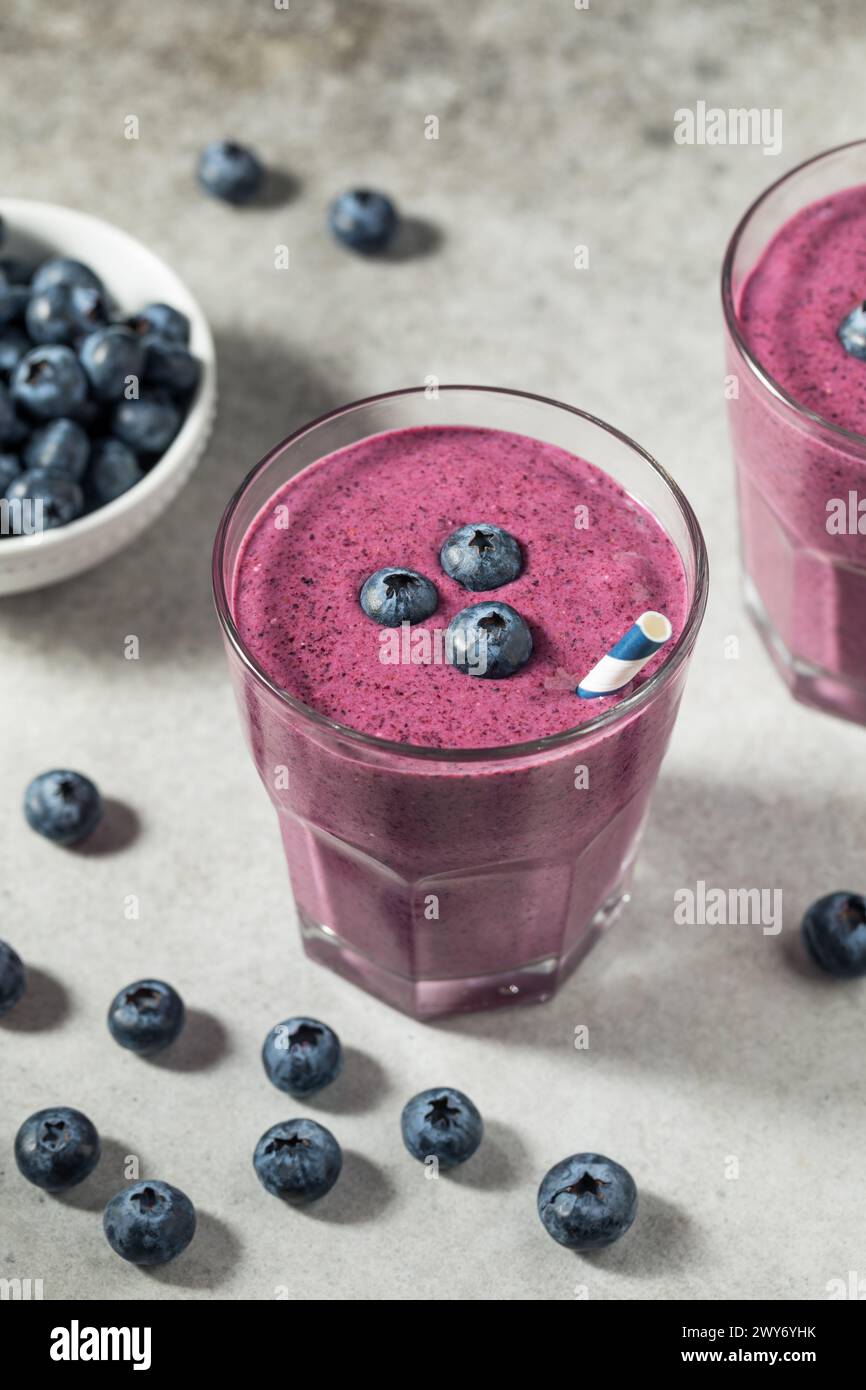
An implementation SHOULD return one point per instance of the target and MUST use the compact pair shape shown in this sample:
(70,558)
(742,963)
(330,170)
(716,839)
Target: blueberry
(298,1160)
(587,1201)
(481,556)
(230,171)
(63,270)
(834,930)
(162,321)
(14,342)
(852,332)
(63,806)
(57,1148)
(49,381)
(302,1055)
(61,445)
(146,1016)
(393,596)
(441,1123)
(148,424)
(13,300)
(62,313)
(12,430)
(114,469)
(13,977)
(10,469)
(149,1223)
(16,271)
(55,498)
(363,220)
(170,365)
(489,640)
(109,357)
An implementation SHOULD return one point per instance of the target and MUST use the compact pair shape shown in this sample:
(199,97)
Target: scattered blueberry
(834,930)
(14,342)
(587,1201)
(13,977)
(363,220)
(62,313)
(393,596)
(63,806)
(58,498)
(298,1160)
(57,1148)
(12,429)
(489,640)
(110,356)
(62,445)
(146,1016)
(481,556)
(230,171)
(170,365)
(852,332)
(301,1055)
(149,1223)
(148,424)
(49,381)
(161,321)
(63,270)
(441,1123)
(10,469)
(114,469)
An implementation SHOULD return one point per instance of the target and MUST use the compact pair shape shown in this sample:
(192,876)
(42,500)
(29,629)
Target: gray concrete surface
(706,1044)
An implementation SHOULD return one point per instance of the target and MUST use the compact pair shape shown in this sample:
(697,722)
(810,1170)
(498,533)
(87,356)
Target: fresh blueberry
(298,1160)
(63,312)
(49,381)
(146,1016)
(393,596)
(63,270)
(301,1055)
(57,1148)
(63,806)
(110,356)
(489,640)
(149,1223)
(441,1123)
(161,321)
(10,469)
(834,930)
(16,271)
(12,429)
(114,469)
(13,977)
(230,171)
(14,342)
(55,498)
(587,1201)
(481,556)
(147,424)
(61,445)
(13,300)
(852,332)
(363,220)
(170,365)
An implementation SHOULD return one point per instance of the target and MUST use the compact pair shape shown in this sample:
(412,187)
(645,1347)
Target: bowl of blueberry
(107,391)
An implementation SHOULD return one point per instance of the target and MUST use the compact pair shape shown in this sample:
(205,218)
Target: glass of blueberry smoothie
(411,590)
(794,296)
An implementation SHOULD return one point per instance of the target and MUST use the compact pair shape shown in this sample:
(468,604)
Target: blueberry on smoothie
(146,1017)
(56,499)
(13,977)
(393,596)
(57,1148)
(230,171)
(489,640)
(114,469)
(834,931)
(63,806)
(587,1201)
(852,332)
(148,424)
(363,220)
(298,1160)
(301,1055)
(63,270)
(162,321)
(481,556)
(61,445)
(441,1123)
(109,357)
(149,1223)
(49,381)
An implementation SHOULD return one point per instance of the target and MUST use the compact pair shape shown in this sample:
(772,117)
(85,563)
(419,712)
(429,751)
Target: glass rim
(626,707)
(759,371)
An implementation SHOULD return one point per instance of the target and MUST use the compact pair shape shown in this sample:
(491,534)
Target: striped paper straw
(627,656)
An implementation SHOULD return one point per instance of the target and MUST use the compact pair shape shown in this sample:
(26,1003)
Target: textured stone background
(555,129)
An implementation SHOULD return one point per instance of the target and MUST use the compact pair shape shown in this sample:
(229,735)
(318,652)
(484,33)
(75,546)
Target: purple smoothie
(442,882)
(807,584)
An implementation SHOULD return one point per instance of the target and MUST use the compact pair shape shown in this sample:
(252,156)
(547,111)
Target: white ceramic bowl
(134,277)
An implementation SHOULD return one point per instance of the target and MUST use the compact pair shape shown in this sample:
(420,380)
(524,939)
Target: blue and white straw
(626,657)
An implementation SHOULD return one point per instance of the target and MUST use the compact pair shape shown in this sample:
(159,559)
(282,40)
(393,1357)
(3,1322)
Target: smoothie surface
(810,275)
(391,500)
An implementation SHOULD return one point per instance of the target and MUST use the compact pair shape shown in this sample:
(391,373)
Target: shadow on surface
(44,1005)
(361,1194)
(360,1086)
(120,827)
(106,1180)
(207,1261)
(661,1241)
(203,1043)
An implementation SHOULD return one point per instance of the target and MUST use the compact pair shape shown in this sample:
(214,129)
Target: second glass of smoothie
(455,841)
